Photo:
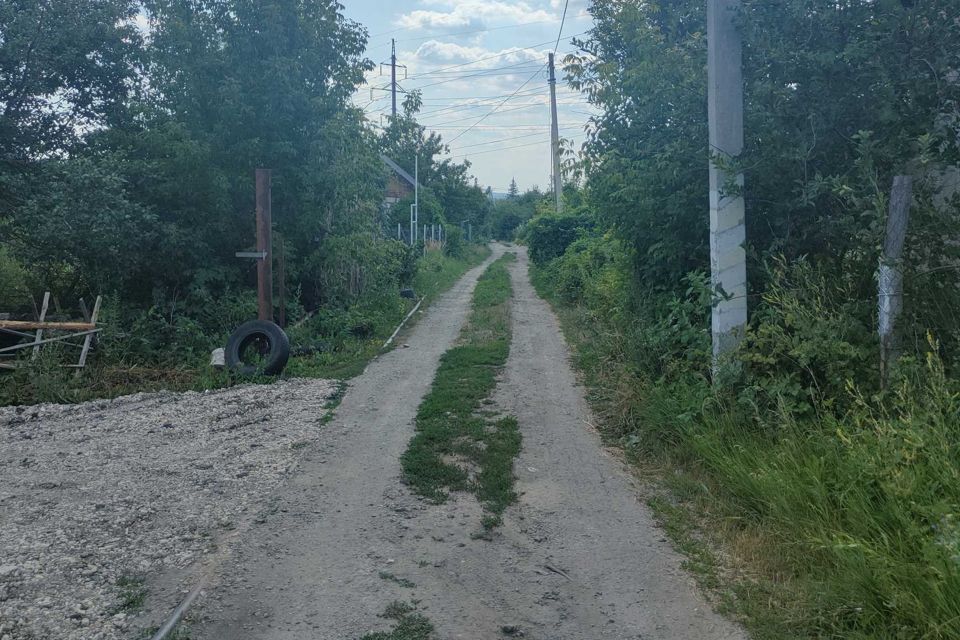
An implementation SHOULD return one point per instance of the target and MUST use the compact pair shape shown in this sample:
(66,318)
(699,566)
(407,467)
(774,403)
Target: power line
(527,135)
(497,108)
(518,146)
(562,21)
(518,108)
(478,74)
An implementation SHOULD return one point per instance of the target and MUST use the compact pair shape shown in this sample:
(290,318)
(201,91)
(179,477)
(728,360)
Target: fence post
(890,274)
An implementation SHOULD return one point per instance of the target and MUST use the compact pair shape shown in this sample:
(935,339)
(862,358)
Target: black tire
(275,348)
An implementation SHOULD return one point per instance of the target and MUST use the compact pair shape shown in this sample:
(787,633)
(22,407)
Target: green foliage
(65,67)
(809,338)
(454,244)
(846,502)
(455,448)
(548,237)
(14,282)
(837,497)
(83,231)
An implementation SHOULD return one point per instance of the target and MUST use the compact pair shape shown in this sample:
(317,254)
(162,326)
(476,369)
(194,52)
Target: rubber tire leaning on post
(275,337)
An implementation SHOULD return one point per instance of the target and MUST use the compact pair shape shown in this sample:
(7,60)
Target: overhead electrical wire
(526,135)
(497,108)
(566,5)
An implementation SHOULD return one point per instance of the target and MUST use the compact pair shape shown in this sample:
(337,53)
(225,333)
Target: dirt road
(578,557)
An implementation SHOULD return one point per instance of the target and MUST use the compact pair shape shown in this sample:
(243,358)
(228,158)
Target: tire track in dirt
(311,569)
(578,557)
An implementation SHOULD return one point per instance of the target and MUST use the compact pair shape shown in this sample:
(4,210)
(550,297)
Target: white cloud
(434,51)
(474,14)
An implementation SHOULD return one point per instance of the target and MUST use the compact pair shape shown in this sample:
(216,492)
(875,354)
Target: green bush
(453,243)
(809,338)
(14,283)
(548,237)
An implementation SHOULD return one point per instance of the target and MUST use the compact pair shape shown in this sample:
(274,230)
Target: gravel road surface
(97,498)
(578,557)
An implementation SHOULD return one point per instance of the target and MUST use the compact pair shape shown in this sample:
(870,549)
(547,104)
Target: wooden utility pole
(265,262)
(728,261)
(555,140)
(890,276)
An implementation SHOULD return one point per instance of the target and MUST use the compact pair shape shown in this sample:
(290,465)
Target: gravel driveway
(98,497)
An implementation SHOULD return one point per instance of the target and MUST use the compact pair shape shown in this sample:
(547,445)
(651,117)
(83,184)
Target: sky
(481,68)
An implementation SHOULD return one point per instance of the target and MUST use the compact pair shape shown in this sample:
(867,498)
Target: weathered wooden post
(890,274)
(728,261)
(282,283)
(265,262)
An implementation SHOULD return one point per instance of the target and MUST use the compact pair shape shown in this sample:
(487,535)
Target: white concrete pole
(555,140)
(728,263)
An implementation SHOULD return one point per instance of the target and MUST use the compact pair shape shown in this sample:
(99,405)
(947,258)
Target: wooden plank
(89,338)
(27,345)
(43,316)
(29,325)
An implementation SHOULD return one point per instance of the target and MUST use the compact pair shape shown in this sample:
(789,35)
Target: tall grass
(822,524)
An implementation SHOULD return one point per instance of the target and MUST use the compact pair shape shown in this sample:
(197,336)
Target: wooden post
(282,282)
(265,265)
(89,339)
(890,274)
(43,316)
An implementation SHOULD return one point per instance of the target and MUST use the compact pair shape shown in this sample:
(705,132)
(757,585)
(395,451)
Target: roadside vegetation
(410,625)
(126,170)
(458,445)
(815,498)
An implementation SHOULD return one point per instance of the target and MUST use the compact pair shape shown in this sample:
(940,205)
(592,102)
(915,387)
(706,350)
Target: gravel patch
(97,497)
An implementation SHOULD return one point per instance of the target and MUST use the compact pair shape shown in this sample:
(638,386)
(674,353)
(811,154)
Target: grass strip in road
(457,446)
(410,625)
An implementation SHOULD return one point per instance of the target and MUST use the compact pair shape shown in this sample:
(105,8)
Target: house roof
(398,170)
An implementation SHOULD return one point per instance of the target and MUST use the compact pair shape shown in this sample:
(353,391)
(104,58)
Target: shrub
(548,237)
(453,244)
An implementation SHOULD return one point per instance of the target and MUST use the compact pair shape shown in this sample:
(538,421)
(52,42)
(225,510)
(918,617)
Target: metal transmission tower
(555,139)
(728,262)
(393,87)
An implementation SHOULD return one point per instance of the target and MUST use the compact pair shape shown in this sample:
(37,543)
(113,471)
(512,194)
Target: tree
(513,191)
(65,67)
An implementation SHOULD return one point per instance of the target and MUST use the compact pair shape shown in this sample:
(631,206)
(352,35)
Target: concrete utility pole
(728,261)
(555,140)
(264,241)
